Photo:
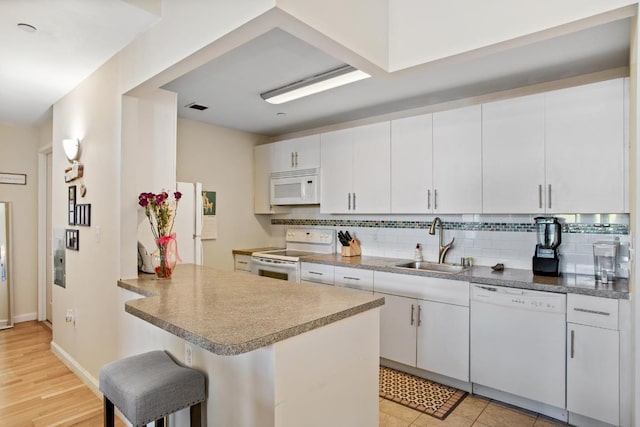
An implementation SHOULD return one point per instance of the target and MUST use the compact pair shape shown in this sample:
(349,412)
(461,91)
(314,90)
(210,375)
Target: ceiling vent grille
(196,106)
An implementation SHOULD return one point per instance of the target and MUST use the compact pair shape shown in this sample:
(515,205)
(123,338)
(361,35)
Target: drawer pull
(586,310)
(242,262)
(351,278)
(315,272)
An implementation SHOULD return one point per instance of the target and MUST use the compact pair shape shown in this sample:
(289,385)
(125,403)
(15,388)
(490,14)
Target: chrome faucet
(442,249)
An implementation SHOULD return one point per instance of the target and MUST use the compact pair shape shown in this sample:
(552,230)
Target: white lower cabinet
(425,323)
(317,273)
(593,355)
(242,262)
(354,278)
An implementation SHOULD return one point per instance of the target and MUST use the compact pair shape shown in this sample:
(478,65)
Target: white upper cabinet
(513,176)
(297,153)
(584,152)
(356,170)
(411,170)
(457,161)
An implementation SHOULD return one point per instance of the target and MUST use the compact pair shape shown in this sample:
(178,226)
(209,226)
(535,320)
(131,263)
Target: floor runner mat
(417,393)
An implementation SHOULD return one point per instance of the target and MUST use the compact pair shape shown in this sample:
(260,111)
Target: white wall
(422,31)
(222,159)
(360,25)
(19,154)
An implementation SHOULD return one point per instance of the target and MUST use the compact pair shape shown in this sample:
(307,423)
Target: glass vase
(164,259)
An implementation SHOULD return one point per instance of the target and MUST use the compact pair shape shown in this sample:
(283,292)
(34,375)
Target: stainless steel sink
(433,266)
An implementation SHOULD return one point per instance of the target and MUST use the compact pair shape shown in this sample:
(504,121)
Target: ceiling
(231,84)
(73,39)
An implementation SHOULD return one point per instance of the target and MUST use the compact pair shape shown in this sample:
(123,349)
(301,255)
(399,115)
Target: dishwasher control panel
(519,298)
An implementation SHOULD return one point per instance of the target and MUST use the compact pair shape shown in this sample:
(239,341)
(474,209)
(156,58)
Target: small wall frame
(83,214)
(72,238)
(72,205)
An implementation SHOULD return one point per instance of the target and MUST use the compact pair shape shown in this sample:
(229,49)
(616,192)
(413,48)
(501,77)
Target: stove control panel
(310,235)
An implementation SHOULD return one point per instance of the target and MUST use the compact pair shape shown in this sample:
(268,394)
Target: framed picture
(72,238)
(13,178)
(83,214)
(72,205)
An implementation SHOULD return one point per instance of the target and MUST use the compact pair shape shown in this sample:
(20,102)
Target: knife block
(352,250)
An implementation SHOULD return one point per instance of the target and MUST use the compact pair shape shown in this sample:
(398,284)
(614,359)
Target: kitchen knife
(343,239)
(348,236)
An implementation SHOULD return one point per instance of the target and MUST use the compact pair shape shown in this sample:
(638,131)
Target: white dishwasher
(518,342)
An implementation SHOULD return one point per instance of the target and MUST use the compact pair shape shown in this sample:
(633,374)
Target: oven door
(276,268)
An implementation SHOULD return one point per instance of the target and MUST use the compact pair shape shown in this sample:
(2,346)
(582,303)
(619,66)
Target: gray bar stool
(150,386)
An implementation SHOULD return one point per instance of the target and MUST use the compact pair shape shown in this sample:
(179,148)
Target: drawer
(319,273)
(592,311)
(243,262)
(355,278)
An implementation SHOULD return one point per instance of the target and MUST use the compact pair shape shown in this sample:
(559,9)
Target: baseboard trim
(25,317)
(75,367)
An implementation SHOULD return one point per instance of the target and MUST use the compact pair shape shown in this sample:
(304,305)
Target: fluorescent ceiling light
(318,83)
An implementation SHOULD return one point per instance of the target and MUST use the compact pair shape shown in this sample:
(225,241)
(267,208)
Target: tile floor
(473,411)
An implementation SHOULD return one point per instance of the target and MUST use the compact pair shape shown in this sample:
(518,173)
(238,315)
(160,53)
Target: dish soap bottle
(418,254)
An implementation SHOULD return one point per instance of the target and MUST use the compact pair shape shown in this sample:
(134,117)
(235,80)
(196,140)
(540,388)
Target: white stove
(284,264)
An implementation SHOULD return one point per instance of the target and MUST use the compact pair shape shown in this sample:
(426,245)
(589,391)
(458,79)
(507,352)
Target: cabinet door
(585,149)
(371,168)
(398,329)
(513,178)
(242,262)
(411,171)
(457,161)
(443,339)
(593,372)
(262,157)
(297,153)
(336,158)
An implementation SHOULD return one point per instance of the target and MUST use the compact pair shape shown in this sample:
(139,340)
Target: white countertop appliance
(518,347)
(300,187)
(285,264)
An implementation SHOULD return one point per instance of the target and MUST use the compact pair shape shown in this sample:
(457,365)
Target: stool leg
(196,415)
(109,419)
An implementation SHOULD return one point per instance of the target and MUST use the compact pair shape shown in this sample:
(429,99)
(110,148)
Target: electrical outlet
(188,354)
(69,316)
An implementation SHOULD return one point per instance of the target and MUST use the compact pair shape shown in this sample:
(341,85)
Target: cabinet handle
(586,310)
(412,309)
(573,334)
(540,196)
(549,196)
(296,159)
(292,159)
(354,201)
(351,278)
(428,199)
(315,272)
(349,197)
(435,199)
(419,315)
(242,262)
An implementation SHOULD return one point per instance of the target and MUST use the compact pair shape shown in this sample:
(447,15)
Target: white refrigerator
(188,223)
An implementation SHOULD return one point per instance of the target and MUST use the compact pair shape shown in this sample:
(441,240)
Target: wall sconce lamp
(320,82)
(71,149)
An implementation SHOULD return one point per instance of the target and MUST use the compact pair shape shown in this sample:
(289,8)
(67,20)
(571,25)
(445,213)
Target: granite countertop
(231,313)
(510,277)
(251,251)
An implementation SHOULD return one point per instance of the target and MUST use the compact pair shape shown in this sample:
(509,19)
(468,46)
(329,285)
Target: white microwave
(301,187)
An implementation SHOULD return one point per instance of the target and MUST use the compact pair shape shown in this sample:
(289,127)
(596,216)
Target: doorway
(45,236)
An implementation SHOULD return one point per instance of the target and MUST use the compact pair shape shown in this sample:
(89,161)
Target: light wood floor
(36,388)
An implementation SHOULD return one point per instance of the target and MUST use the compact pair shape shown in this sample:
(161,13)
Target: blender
(546,259)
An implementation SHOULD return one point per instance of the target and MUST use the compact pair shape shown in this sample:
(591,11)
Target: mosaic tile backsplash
(487,239)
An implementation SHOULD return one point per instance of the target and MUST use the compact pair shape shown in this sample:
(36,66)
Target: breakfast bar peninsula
(276,353)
